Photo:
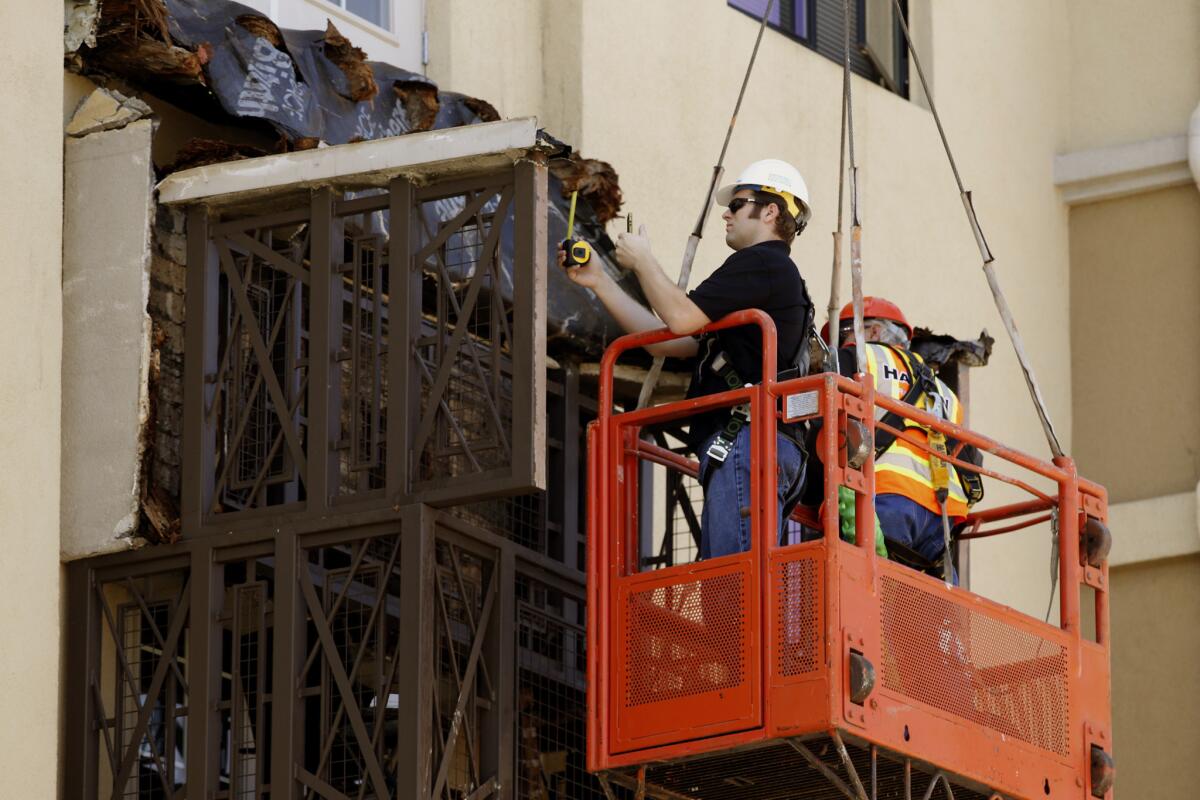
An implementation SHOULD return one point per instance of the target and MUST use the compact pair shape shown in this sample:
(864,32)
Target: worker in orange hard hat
(918,497)
(874,308)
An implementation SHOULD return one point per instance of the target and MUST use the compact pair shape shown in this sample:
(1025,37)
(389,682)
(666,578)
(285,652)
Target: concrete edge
(1106,173)
(1155,528)
(372,162)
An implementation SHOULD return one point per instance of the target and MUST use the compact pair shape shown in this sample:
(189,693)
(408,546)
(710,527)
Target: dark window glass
(787,16)
(375,11)
(877,51)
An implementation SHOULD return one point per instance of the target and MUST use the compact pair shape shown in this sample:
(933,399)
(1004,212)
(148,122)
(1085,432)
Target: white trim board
(1155,528)
(371,163)
(1106,173)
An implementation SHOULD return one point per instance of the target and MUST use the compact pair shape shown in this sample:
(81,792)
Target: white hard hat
(775,177)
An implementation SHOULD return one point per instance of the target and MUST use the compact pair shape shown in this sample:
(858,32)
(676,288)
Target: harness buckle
(719,450)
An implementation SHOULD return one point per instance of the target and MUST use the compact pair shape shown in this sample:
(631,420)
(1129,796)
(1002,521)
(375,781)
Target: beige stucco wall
(1135,307)
(522,56)
(654,99)
(1135,290)
(1156,688)
(31,332)
(1135,70)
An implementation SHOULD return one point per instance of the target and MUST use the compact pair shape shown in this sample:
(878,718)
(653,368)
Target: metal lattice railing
(370,346)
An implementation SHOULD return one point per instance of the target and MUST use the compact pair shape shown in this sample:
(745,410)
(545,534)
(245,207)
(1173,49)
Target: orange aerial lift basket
(813,669)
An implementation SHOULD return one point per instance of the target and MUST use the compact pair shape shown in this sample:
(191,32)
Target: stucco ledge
(1155,528)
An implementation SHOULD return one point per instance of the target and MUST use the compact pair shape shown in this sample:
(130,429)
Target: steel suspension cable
(860,334)
(1006,316)
(835,278)
(689,253)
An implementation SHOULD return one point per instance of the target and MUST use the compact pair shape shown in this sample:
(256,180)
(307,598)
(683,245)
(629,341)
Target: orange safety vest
(904,469)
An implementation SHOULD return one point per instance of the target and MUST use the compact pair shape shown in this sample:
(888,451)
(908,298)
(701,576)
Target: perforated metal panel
(799,617)
(685,639)
(973,665)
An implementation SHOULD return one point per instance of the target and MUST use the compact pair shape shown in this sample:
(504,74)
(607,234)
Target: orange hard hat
(873,308)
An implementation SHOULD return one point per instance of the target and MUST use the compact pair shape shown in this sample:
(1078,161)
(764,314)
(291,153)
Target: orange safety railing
(727,656)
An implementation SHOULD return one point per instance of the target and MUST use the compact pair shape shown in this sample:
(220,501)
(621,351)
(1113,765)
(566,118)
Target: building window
(878,51)
(377,12)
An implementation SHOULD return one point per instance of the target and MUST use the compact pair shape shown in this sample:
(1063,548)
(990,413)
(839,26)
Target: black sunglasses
(738,203)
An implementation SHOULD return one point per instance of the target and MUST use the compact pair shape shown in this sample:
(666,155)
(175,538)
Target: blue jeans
(912,525)
(725,521)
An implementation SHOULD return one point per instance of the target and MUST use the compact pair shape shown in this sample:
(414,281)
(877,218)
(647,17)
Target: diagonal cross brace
(276,259)
(160,674)
(466,688)
(460,329)
(264,360)
(334,661)
(452,226)
(444,274)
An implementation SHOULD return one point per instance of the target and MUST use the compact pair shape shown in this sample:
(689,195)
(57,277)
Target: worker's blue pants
(725,521)
(912,525)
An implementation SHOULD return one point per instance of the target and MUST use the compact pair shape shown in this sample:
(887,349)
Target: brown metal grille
(463,687)
(313,328)
(551,695)
(362,355)
(244,707)
(799,620)
(972,665)
(260,381)
(350,678)
(248,708)
(522,518)
(684,639)
(466,423)
(355,662)
(144,737)
(551,522)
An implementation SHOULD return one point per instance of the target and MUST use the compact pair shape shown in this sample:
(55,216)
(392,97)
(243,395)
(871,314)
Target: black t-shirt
(761,276)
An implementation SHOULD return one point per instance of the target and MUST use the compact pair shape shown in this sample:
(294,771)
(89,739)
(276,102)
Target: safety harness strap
(739,415)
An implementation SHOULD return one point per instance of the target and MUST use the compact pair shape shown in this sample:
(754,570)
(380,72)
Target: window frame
(790,7)
(388,5)
(811,39)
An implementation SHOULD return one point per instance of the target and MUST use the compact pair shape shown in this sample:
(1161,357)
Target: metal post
(404,319)
(500,650)
(81,741)
(1068,547)
(529,326)
(204,672)
(200,342)
(414,774)
(323,387)
(849,765)
(572,462)
(287,711)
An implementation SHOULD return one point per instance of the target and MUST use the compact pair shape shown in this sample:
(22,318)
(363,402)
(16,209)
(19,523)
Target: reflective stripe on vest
(903,468)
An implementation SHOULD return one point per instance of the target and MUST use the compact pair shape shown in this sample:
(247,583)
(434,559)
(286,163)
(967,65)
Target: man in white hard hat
(766,208)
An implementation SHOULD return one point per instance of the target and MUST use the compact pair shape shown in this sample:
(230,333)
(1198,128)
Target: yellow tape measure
(578,251)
